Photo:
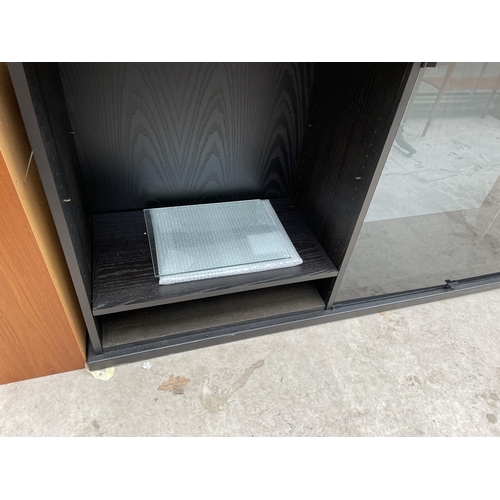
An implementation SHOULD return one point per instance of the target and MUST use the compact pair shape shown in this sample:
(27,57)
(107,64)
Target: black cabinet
(111,139)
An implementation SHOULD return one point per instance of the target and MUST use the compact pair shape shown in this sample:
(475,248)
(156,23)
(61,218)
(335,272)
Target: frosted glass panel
(218,239)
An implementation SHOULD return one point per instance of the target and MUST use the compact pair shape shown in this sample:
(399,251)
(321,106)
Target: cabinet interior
(112,139)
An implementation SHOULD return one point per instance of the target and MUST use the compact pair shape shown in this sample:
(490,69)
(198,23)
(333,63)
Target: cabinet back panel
(154,134)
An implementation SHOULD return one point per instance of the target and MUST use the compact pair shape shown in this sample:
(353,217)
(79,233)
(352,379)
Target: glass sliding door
(435,214)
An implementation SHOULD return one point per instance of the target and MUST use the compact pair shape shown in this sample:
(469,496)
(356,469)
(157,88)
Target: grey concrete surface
(429,370)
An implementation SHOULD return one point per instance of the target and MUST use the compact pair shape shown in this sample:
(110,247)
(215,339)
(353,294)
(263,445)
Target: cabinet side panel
(352,111)
(16,149)
(39,92)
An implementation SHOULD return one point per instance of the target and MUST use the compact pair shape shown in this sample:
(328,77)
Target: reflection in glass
(435,212)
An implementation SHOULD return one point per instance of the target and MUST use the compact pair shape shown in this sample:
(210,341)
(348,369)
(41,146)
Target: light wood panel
(41,327)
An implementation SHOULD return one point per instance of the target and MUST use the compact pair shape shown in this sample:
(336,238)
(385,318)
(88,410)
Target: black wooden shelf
(187,318)
(123,278)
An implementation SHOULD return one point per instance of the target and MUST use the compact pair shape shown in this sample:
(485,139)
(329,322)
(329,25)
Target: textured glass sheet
(219,239)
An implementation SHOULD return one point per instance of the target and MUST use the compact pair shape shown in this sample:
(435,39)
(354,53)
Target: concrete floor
(430,370)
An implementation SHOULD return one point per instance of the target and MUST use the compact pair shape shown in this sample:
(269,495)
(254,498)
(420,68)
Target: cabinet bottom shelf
(184,318)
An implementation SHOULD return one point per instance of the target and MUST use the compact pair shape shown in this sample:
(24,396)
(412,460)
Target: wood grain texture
(189,317)
(352,110)
(162,134)
(123,270)
(36,336)
(40,96)
(16,149)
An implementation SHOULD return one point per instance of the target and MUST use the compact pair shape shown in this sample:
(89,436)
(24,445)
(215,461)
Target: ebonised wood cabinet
(111,139)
